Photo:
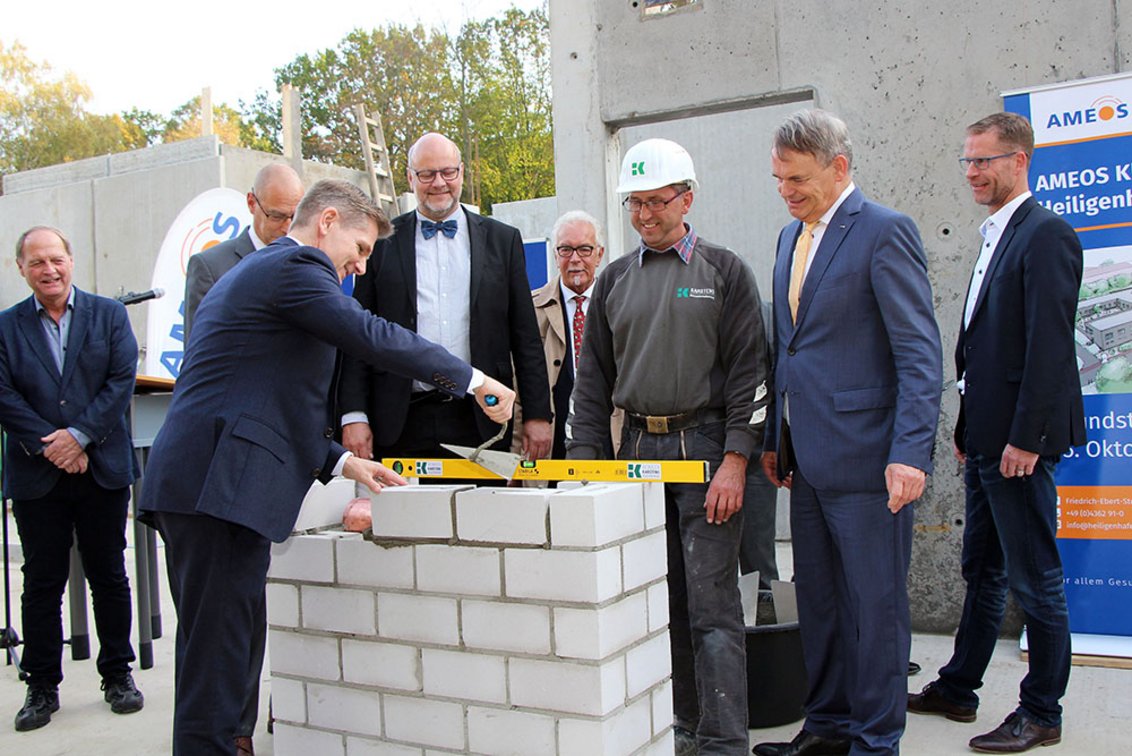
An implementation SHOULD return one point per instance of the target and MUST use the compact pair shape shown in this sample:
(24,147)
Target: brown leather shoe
(931,701)
(1017,734)
(244,746)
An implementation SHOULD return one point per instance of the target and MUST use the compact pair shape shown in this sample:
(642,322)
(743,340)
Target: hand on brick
(358,439)
(501,411)
(725,493)
(358,516)
(62,450)
(373,475)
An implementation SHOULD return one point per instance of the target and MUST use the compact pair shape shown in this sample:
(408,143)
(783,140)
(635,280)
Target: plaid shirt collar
(683,248)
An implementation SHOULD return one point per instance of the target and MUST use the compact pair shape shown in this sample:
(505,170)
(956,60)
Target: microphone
(134,297)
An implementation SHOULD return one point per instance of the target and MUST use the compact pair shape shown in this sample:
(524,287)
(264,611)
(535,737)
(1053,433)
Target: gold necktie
(798,271)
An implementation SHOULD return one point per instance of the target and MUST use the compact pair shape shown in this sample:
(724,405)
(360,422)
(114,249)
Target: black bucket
(776,675)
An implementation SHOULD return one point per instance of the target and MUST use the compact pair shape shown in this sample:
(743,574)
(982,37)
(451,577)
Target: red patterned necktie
(579,326)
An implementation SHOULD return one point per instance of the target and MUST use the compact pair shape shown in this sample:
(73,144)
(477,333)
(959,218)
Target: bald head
(436,175)
(273,199)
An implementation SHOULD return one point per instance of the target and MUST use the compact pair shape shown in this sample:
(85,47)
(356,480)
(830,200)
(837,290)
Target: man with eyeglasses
(1020,410)
(274,195)
(458,279)
(674,335)
(851,429)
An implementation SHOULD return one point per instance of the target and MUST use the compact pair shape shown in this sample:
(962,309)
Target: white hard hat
(655,163)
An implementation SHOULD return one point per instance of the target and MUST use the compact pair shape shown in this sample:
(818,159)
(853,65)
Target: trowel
(498,463)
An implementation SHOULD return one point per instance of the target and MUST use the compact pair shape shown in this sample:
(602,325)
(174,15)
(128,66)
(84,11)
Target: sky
(156,57)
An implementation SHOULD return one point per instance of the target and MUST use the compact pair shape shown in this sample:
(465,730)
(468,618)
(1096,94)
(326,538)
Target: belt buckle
(656,424)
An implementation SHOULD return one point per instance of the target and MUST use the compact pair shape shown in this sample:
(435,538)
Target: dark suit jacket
(250,428)
(863,364)
(503,327)
(91,395)
(1018,352)
(206,268)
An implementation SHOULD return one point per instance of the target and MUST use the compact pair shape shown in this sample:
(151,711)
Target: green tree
(185,123)
(43,117)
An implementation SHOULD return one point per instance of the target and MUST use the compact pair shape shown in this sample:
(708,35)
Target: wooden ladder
(377,160)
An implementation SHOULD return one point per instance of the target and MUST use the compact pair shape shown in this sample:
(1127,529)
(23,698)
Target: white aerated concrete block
(288,700)
(619,734)
(662,716)
(464,570)
(386,665)
(647,664)
(418,720)
(502,515)
(342,610)
(466,675)
(303,655)
(414,512)
(593,689)
(282,605)
(645,559)
(653,494)
(296,740)
(524,628)
(417,618)
(338,708)
(595,515)
(594,633)
(324,504)
(590,576)
(309,558)
(363,747)
(658,605)
(362,562)
(509,733)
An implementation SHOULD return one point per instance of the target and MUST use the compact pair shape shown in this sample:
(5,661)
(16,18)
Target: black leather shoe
(1017,734)
(122,695)
(41,702)
(931,701)
(805,744)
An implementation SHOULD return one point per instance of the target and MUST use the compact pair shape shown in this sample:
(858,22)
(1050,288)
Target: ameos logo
(1103,108)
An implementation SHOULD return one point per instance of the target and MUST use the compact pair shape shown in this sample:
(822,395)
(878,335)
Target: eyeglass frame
(660,204)
(272,215)
(571,250)
(432,173)
(982,163)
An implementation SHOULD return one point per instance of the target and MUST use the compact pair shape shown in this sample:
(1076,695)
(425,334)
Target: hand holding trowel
(499,463)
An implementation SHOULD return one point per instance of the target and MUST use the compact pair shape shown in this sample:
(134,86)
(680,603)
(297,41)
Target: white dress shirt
(444,275)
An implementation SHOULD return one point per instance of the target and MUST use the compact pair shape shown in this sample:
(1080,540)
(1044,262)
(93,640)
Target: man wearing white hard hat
(674,335)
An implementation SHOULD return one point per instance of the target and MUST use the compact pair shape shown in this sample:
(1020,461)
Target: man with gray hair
(850,432)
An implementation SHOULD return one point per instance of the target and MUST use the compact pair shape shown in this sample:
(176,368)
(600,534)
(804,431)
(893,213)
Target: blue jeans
(709,658)
(1010,540)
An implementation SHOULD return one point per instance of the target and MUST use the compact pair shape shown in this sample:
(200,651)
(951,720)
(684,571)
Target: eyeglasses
(564,251)
(427,175)
(274,215)
(634,205)
(982,163)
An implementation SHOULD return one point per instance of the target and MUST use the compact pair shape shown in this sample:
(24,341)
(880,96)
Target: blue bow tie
(429,229)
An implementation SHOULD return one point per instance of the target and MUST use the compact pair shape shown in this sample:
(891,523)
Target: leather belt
(672,423)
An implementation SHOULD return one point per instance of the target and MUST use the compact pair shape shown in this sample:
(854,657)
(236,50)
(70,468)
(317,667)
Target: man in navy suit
(250,428)
(1020,410)
(67,365)
(272,200)
(459,279)
(856,403)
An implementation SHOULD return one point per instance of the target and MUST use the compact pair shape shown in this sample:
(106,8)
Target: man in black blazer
(1020,410)
(272,200)
(250,428)
(459,279)
(67,365)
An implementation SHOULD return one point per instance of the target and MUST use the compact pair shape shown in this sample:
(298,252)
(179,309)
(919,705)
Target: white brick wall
(503,622)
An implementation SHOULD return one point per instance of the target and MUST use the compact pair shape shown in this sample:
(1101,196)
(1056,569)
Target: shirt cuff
(477,380)
(82,438)
(354,417)
(341,463)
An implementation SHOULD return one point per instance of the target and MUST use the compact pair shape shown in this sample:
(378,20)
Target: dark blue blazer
(250,427)
(1018,352)
(91,395)
(863,364)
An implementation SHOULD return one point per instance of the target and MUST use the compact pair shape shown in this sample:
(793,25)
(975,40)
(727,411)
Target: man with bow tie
(458,279)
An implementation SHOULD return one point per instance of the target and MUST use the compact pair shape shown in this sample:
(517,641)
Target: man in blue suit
(856,403)
(250,428)
(1020,410)
(67,364)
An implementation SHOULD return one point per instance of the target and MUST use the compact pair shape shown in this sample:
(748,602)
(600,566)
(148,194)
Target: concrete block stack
(478,620)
